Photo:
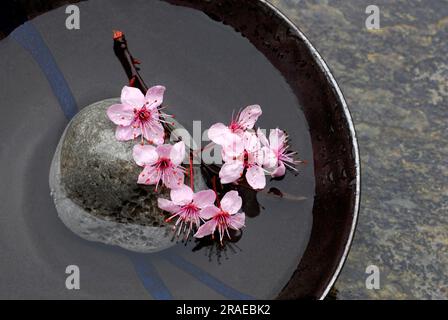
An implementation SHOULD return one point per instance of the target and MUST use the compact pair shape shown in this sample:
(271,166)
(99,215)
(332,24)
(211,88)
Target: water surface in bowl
(210,71)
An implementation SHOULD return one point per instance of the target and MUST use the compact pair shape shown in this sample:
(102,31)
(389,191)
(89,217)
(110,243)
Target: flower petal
(206,229)
(279,171)
(209,212)
(270,159)
(204,198)
(144,155)
(132,97)
(230,157)
(249,116)
(148,176)
(255,177)
(233,145)
(256,157)
(218,133)
(231,171)
(237,221)
(177,154)
(164,150)
(121,114)
(277,139)
(154,96)
(182,195)
(173,178)
(231,202)
(167,205)
(154,133)
(260,134)
(126,133)
(251,142)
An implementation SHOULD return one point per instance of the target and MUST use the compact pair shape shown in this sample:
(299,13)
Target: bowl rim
(323,67)
(346,112)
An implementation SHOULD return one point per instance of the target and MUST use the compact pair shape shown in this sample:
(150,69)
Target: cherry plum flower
(186,206)
(222,218)
(138,114)
(277,155)
(161,163)
(229,137)
(250,159)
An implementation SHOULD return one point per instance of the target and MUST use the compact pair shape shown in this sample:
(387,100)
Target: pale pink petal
(125,133)
(237,221)
(279,171)
(233,145)
(264,141)
(148,176)
(167,205)
(249,116)
(231,171)
(204,198)
(144,155)
(206,229)
(154,133)
(251,142)
(164,150)
(132,97)
(270,159)
(255,177)
(229,157)
(154,96)
(121,114)
(177,154)
(173,178)
(182,195)
(218,133)
(256,157)
(277,139)
(209,212)
(231,202)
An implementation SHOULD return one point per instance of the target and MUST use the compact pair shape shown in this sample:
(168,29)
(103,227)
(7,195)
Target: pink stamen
(188,217)
(222,221)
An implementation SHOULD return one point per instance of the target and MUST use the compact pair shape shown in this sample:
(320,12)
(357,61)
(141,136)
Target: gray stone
(93,179)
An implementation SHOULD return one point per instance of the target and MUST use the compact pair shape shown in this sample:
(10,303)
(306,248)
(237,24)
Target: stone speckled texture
(93,184)
(99,173)
(93,180)
(395,83)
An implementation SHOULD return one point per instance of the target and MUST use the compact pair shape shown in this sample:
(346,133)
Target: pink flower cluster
(248,152)
(191,209)
(139,115)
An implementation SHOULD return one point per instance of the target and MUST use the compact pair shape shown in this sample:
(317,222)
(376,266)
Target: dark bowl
(335,157)
(335,148)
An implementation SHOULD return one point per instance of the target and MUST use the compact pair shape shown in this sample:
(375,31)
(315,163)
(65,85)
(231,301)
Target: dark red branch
(128,62)
(130,66)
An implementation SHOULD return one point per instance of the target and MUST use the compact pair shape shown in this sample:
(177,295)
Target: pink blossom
(138,114)
(276,154)
(187,206)
(161,163)
(250,159)
(229,137)
(222,218)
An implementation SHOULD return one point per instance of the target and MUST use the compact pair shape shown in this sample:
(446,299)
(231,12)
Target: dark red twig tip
(191,173)
(117,34)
